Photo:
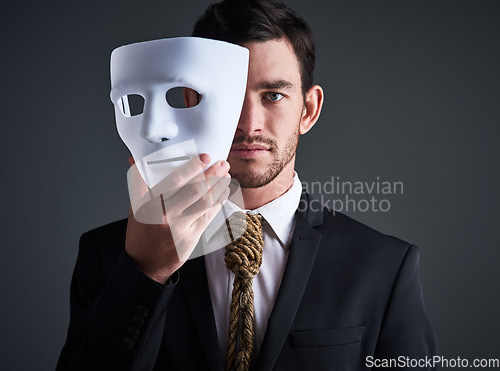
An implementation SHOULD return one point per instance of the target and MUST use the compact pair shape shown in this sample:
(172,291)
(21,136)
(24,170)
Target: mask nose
(157,121)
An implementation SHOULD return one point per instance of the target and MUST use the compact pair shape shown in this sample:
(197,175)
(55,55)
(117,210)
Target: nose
(157,122)
(251,119)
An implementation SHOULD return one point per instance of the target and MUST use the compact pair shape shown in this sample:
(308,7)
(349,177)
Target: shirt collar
(278,214)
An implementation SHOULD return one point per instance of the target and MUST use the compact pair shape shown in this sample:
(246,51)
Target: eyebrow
(275,84)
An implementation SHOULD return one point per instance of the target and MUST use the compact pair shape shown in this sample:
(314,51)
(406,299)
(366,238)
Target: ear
(191,97)
(312,108)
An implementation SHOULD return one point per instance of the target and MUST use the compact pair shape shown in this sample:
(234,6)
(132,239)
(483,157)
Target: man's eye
(274,96)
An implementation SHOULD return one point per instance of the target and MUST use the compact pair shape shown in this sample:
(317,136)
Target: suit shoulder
(114,229)
(107,241)
(359,235)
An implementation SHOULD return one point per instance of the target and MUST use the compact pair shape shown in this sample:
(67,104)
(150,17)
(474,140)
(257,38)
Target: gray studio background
(412,95)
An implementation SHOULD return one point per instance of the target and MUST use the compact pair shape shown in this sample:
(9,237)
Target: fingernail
(205,158)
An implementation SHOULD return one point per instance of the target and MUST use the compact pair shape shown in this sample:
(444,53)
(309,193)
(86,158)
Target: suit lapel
(305,243)
(197,294)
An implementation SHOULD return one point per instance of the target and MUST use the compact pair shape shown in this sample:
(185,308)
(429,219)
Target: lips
(249,150)
(250,147)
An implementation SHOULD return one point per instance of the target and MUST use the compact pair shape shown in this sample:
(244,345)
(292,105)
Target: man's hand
(183,204)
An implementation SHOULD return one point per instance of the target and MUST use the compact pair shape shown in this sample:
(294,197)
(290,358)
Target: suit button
(143,310)
(133,332)
(127,343)
(138,321)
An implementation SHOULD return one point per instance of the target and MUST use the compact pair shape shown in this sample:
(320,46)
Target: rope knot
(243,256)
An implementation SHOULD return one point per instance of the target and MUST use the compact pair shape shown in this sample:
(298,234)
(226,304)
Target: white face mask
(160,137)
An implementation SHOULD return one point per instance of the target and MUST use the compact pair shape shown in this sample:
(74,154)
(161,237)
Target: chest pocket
(326,338)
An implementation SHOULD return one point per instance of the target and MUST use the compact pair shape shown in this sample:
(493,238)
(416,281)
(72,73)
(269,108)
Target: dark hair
(242,21)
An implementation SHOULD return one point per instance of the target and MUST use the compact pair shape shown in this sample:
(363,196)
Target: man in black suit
(332,293)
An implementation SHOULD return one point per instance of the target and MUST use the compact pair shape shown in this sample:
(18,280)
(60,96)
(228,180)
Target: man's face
(268,130)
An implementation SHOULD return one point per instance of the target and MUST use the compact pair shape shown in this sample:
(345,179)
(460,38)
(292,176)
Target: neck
(257,197)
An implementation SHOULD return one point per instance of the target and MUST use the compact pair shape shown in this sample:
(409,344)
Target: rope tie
(243,257)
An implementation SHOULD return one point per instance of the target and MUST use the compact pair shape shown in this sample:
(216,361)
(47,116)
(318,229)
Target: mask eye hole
(131,105)
(182,97)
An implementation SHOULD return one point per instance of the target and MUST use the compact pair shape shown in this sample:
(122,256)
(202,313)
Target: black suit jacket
(348,293)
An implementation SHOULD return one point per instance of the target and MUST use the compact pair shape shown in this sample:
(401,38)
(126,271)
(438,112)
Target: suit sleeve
(116,316)
(406,329)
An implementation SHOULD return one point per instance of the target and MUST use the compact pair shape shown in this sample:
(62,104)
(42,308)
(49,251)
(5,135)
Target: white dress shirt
(277,229)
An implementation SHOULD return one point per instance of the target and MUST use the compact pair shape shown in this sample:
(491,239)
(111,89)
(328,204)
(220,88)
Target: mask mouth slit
(165,161)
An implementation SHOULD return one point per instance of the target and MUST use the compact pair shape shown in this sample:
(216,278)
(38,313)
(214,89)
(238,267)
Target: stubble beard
(281,158)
